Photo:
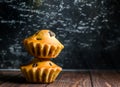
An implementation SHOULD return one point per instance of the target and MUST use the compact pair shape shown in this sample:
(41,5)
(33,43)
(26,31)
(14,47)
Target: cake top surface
(44,36)
(38,64)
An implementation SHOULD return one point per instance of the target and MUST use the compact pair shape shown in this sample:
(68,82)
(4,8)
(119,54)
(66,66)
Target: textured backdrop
(89,30)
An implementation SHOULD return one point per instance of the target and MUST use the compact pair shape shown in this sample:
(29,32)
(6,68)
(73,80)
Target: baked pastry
(41,71)
(43,44)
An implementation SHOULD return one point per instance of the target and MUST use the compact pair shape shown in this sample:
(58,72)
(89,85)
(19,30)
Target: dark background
(89,30)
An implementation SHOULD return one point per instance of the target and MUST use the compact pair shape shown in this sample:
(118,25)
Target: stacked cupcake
(42,45)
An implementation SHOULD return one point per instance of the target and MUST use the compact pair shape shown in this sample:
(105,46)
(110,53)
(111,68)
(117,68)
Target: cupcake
(40,71)
(43,44)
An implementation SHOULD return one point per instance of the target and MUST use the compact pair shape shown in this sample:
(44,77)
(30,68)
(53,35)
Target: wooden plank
(65,79)
(16,79)
(105,79)
(5,76)
(72,79)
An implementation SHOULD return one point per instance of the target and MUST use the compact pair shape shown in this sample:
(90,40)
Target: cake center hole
(35,65)
(51,33)
(38,38)
(50,64)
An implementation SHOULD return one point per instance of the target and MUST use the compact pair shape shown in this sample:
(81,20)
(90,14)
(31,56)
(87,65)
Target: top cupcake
(43,44)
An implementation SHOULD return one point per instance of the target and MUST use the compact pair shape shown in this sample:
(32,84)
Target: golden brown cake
(40,71)
(43,44)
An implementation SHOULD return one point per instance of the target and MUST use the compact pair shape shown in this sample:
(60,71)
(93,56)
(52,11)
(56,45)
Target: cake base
(41,71)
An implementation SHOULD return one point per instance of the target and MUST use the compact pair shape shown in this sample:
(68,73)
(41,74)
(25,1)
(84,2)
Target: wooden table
(65,79)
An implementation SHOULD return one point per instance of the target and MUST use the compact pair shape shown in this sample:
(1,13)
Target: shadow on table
(16,79)
(12,78)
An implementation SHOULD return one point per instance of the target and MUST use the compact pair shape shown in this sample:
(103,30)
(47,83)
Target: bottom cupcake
(41,71)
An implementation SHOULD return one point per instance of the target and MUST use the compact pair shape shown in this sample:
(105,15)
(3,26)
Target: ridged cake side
(41,75)
(43,50)
(45,72)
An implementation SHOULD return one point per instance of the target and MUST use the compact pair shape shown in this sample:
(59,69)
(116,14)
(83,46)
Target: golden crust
(43,44)
(41,71)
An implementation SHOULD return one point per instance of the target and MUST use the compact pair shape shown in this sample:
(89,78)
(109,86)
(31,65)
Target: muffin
(40,71)
(43,44)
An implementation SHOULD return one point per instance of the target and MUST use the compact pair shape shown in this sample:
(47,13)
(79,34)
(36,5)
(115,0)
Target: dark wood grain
(5,75)
(105,79)
(65,79)
(72,79)
(16,79)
